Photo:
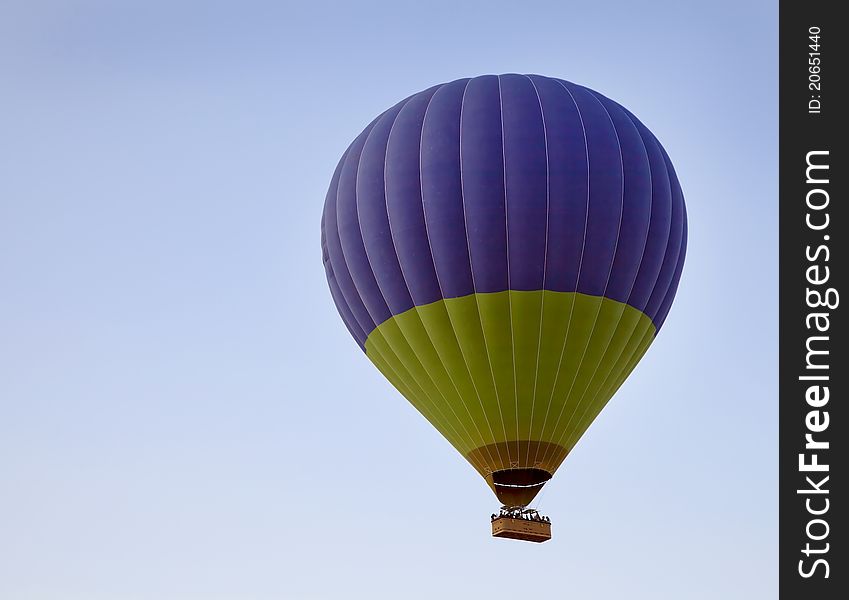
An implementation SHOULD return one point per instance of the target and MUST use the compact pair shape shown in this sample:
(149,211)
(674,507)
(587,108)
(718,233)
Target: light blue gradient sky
(173,373)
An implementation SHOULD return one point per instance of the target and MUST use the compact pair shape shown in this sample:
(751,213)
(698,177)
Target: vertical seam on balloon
(672,210)
(577,275)
(607,279)
(474,286)
(366,329)
(330,275)
(389,373)
(410,381)
(335,233)
(624,366)
(509,281)
(357,209)
(353,281)
(651,206)
(404,279)
(439,283)
(679,270)
(380,291)
(356,332)
(652,176)
(633,360)
(409,394)
(679,264)
(544,268)
(594,398)
(660,150)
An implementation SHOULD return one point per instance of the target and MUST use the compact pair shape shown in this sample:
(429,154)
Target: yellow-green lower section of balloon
(512,379)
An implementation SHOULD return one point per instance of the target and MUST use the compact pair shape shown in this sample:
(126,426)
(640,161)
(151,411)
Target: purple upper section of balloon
(518,182)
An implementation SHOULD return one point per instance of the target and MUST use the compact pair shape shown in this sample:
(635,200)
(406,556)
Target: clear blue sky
(172,368)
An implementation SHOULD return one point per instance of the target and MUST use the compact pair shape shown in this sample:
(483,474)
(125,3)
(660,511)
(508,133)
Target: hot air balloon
(504,249)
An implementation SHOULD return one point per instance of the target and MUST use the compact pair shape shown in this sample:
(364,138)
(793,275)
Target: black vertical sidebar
(813,362)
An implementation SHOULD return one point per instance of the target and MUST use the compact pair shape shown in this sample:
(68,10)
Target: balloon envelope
(505,249)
